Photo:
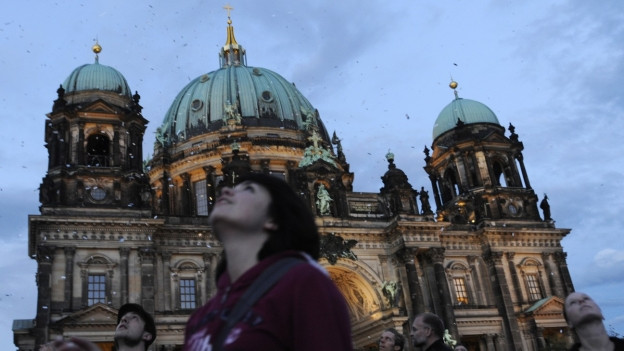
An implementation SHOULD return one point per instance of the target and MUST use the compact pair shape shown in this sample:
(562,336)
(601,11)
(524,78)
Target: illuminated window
(96,289)
(187,294)
(460,283)
(461,294)
(535,293)
(201,198)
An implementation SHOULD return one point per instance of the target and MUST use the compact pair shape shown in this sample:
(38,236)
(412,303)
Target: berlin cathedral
(113,227)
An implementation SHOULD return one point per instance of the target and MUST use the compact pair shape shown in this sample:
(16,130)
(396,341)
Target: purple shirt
(303,311)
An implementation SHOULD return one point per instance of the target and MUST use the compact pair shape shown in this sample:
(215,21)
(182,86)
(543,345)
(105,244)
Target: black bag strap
(258,288)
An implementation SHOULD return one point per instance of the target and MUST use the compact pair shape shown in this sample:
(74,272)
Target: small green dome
(468,111)
(97,77)
(254,92)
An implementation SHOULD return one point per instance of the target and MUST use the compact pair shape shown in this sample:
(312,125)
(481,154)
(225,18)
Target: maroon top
(303,311)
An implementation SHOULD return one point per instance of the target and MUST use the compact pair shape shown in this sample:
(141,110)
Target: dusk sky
(378,73)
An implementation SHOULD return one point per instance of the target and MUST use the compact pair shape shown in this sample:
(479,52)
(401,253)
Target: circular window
(204,78)
(266,96)
(196,105)
(98,194)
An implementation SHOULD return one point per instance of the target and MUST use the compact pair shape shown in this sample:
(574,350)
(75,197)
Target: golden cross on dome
(228,8)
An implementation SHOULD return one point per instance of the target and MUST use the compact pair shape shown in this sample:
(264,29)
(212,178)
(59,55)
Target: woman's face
(244,207)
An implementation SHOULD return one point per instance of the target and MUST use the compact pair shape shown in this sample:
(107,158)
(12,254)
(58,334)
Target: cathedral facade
(115,228)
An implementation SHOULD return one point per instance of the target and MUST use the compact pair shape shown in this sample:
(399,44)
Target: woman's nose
(227,190)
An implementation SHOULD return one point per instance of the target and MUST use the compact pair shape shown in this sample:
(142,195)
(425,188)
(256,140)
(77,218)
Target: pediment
(546,307)
(322,167)
(100,106)
(496,138)
(98,314)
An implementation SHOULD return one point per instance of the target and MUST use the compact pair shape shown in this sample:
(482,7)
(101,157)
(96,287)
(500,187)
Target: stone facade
(111,231)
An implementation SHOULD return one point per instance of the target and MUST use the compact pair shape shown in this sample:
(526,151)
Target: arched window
(98,150)
(96,273)
(187,277)
(532,271)
(460,283)
(503,175)
(451,185)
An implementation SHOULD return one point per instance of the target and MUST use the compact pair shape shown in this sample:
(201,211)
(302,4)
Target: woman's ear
(147,336)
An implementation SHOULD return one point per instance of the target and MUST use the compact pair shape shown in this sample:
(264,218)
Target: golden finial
(453,84)
(96,49)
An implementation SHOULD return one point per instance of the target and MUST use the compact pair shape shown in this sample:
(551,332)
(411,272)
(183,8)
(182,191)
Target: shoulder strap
(258,288)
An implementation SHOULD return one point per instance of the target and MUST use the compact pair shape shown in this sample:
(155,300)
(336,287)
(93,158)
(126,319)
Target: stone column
(45,257)
(464,166)
(554,279)
(116,157)
(436,192)
(520,159)
(166,275)
(210,262)
(124,252)
(445,302)
(413,290)
(70,251)
(480,298)
(514,277)
(560,259)
(211,187)
(164,199)
(147,256)
(503,300)
(489,342)
(188,205)
(77,149)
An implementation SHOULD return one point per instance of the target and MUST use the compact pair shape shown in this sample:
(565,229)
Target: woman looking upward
(259,222)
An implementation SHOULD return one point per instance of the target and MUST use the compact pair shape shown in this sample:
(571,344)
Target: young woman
(261,221)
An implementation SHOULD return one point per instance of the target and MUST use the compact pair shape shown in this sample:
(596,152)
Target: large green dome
(97,77)
(468,111)
(261,97)
(253,96)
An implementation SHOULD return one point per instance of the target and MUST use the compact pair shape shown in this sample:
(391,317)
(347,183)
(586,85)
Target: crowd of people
(273,295)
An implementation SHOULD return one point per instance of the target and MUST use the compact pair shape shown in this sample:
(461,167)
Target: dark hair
(296,229)
(147,318)
(434,322)
(399,339)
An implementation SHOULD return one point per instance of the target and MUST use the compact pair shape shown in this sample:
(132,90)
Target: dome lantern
(231,52)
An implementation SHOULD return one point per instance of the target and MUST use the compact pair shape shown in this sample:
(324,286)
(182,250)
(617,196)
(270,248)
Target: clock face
(98,194)
(512,209)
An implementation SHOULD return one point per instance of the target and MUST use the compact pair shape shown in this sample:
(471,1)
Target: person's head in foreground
(584,316)
(391,340)
(580,309)
(426,329)
(134,327)
(262,210)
